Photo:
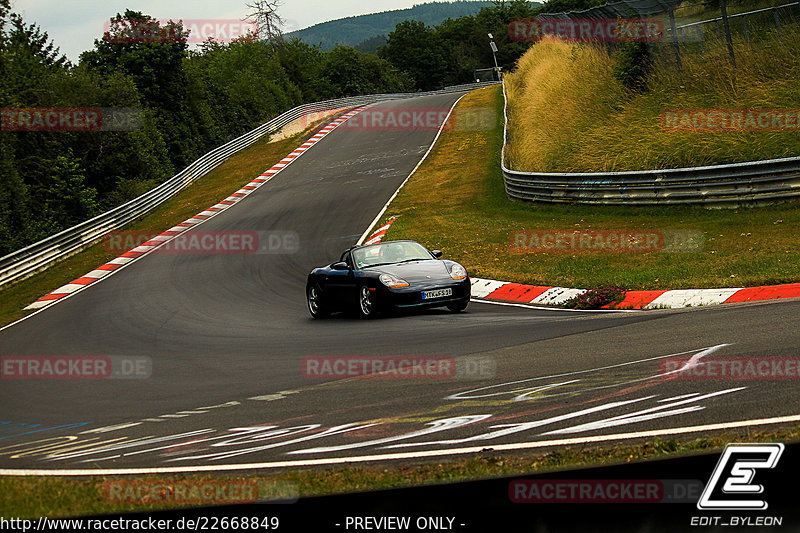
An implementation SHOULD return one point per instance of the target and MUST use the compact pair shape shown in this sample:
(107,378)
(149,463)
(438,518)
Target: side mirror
(436,253)
(341,265)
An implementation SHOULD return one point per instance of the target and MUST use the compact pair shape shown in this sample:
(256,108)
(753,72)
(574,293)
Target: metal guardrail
(35,257)
(742,15)
(713,186)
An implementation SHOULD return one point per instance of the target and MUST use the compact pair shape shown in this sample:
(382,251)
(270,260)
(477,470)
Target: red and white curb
(131,255)
(378,234)
(505,291)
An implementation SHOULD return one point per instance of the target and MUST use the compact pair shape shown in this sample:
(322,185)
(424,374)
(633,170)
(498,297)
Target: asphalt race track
(228,336)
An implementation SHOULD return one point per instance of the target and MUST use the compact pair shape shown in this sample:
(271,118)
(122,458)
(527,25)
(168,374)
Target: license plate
(439,293)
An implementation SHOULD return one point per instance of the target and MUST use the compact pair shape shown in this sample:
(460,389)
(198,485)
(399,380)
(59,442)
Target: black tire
(457,307)
(365,302)
(316,305)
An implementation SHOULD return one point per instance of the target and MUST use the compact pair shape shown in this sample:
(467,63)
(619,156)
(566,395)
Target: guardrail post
(727,26)
(746,30)
(700,38)
(778,25)
(674,33)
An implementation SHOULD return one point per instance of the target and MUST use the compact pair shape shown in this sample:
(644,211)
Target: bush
(633,64)
(596,298)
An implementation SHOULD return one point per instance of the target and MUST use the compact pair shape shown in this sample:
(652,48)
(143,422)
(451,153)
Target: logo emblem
(731,485)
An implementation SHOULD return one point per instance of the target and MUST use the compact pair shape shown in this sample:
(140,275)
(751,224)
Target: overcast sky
(74,24)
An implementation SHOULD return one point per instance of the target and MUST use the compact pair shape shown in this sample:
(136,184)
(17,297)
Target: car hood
(417,271)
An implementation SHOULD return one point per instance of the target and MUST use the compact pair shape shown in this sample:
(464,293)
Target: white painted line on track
(405,455)
(386,206)
(540,308)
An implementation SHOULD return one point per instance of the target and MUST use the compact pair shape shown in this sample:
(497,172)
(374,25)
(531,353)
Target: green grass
(32,497)
(567,112)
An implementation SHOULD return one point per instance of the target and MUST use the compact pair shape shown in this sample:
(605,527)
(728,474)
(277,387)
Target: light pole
(494,51)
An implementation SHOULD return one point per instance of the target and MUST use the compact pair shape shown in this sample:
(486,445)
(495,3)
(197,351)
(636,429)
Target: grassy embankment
(568,113)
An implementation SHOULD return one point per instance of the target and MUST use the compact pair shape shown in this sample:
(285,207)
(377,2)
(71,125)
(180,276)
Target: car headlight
(392,281)
(458,272)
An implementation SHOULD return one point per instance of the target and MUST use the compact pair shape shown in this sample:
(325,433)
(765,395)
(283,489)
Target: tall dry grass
(568,114)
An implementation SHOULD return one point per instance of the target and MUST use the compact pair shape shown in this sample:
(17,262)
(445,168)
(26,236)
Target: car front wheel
(315,304)
(366,302)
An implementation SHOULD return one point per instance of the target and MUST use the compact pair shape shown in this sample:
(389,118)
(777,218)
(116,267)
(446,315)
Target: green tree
(155,63)
(15,227)
(347,72)
(68,200)
(417,49)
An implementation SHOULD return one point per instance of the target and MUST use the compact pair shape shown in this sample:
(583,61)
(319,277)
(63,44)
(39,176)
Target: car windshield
(389,252)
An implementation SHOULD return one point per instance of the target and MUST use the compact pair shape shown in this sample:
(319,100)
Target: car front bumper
(411,297)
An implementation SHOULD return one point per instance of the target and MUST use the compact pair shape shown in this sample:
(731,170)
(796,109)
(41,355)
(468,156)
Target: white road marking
(344,428)
(434,427)
(523,426)
(562,309)
(252,434)
(130,443)
(417,454)
(110,428)
(692,362)
(682,396)
(641,416)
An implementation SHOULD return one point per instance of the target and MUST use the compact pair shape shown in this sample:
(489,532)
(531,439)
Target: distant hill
(363,31)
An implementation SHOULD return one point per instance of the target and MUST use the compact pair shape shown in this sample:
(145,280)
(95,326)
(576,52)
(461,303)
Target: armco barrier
(730,185)
(35,257)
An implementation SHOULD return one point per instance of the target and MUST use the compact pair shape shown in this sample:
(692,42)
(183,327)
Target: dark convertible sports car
(387,276)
